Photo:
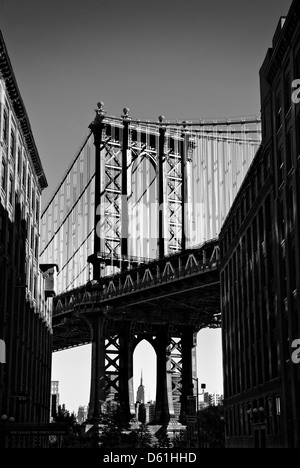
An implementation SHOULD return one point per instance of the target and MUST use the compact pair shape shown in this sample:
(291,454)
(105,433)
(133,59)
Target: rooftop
(6,70)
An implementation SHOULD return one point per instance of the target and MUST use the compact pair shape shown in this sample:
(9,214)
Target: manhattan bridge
(131,240)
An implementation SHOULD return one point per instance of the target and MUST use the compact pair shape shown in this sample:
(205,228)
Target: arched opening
(71,368)
(143,208)
(209,363)
(144,380)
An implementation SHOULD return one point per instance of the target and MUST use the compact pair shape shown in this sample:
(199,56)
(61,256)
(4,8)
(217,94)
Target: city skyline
(74,373)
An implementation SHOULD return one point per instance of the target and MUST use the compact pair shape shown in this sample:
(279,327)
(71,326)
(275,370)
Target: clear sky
(183,59)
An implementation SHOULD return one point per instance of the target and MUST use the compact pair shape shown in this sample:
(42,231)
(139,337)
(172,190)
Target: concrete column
(97,393)
(188,343)
(126,394)
(164,409)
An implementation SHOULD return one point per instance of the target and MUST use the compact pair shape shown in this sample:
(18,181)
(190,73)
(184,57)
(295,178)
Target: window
(280,166)
(5,125)
(19,160)
(289,151)
(28,230)
(36,247)
(24,175)
(281,222)
(287,93)
(10,190)
(35,287)
(3,175)
(28,186)
(12,144)
(33,201)
(37,212)
(278,111)
(291,210)
(31,281)
(29,278)
(32,239)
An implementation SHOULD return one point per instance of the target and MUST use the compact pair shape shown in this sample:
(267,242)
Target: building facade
(25,317)
(212,399)
(260,277)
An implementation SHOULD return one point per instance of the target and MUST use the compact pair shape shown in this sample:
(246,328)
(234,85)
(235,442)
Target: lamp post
(197,390)
(203,387)
(4,419)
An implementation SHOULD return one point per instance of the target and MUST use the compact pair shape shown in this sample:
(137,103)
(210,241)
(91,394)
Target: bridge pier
(189,342)
(164,407)
(126,393)
(168,307)
(97,391)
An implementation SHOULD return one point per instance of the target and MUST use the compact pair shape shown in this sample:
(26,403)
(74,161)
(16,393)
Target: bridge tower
(158,193)
(114,341)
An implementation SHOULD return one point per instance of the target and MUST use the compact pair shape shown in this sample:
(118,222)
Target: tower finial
(141,376)
(100,112)
(125,115)
(100,115)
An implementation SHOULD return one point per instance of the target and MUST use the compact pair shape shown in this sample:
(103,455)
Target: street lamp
(197,390)
(4,419)
(203,387)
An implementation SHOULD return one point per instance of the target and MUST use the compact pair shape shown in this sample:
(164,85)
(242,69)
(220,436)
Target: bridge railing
(155,273)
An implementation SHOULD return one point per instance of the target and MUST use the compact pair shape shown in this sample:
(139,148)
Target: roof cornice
(284,41)
(6,70)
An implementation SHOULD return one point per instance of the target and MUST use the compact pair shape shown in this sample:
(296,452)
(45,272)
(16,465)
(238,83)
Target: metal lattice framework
(174,196)
(157,193)
(111,221)
(176,370)
(189,171)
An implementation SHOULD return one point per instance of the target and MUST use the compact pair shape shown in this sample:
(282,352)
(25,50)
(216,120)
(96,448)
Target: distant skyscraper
(82,414)
(140,396)
(54,397)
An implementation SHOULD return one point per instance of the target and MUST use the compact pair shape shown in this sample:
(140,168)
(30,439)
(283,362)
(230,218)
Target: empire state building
(140,395)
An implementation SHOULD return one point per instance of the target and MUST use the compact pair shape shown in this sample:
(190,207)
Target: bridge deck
(179,289)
